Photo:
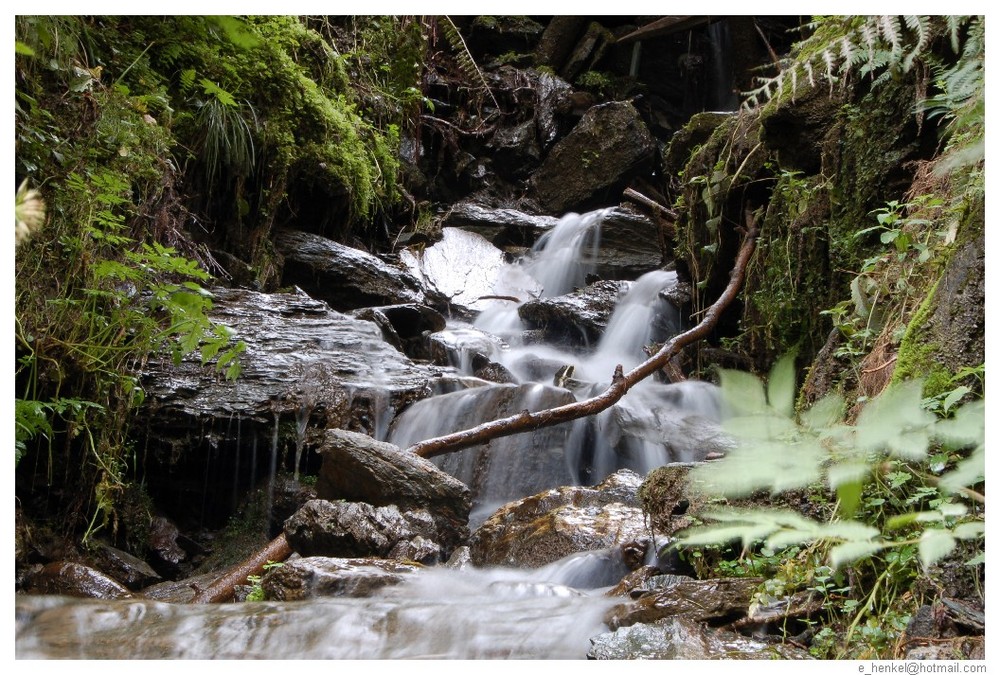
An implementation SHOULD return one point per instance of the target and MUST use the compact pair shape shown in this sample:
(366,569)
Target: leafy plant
(780,451)
(256,593)
(878,47)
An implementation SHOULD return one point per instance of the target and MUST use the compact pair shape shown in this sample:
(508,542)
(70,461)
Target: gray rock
(683,639)
(499,226)
(464,270)
(607,147)
(293,343)
(693,599)
(344,277)
(357,468)
(348,529)
(578,318)
(125,567)
(318,577)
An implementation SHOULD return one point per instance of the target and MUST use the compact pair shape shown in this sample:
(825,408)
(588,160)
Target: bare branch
(223,588)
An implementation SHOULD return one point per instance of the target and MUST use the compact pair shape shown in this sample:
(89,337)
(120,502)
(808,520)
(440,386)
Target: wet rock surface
(357,468)
(318,577)
(697,600)
(500,226)
(344,277)
(131,571)
(76,579)
(545,527)
(578,318)
(292,342)
(352,529)
(685,639)
(464,271)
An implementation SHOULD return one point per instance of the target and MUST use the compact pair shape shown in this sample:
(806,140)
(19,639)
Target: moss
(916,357)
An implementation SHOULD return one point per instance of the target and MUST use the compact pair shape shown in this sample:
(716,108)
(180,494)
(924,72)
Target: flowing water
(652,425)
(550,612)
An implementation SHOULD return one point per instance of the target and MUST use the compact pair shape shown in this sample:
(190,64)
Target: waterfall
(652,425)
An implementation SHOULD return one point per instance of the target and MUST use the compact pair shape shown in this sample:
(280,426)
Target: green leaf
(934,545)
(781,385)
(223,96)
(23,49)
(968,472)
(970,530)
(825,412)
(742,392)
(853,550)
(896,421)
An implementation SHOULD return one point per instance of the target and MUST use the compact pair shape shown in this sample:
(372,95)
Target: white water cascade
(652,425)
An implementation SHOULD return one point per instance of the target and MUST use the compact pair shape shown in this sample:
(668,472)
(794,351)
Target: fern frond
(891,31)
(464,57)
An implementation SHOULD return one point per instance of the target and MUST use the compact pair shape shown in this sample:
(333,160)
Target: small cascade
(652,425)
(273,467)
(302,415)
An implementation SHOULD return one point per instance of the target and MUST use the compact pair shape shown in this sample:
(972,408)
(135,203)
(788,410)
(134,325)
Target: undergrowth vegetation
(873,470)
(146,147)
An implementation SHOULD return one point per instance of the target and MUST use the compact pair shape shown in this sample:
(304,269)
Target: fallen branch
(223,588)
(620,382)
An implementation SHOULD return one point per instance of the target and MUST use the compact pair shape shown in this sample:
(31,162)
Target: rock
(693,599)
(680,638)
(357,468)
(418,549)
(348,529)
(695,132)
(515,151)
(607,147)
(491,371)
(588,50)
(502,227)
(551,96)
(344,277)
(298,352)
(320,577)
(578,318)
(558,39)
(551,525)
(498,34)
(71,578)
(133,572)
(464,269)
(163,545)
(630,245)
(406,327)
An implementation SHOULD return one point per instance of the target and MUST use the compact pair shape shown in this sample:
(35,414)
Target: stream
(441,612)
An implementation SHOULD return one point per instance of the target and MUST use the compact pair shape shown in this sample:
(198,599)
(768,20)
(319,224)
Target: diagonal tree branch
(620,383)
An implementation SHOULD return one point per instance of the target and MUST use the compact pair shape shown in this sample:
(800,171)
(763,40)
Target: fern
(466,62)
(877,47)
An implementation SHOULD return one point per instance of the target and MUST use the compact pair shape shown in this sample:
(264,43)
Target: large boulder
(609,146)
(551,525)
(355,529)
(500,226)
(346,278)
(360,469)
